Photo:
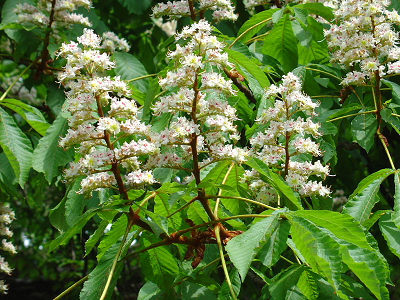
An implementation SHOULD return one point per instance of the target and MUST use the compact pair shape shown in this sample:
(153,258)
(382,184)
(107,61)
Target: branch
(247,92)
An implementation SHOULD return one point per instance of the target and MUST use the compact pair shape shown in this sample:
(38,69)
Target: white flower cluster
(19,91)
(222,9)
(250,4)
(101,114)
(338,199)
(111,42)
(7,215)
(39,14)
(197,99)
(365,39)
(287,134)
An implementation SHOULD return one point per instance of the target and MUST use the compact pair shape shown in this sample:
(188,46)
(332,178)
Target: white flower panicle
(7,215)
(101,113)
(111,42)
(39,14)
(297,135)
(196,97)
(221,9)
(364,38)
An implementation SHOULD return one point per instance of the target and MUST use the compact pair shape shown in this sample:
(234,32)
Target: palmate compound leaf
(16,146)
(356,251)
(243,248)
(364,197)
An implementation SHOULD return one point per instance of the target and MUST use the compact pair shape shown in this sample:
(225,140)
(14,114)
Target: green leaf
(162,209)
(57,214)
(368,267)
(7,177)
(300,14)
(150,97)
(374,245)
(77,227)
(271,251)
(94,238)
(30,114)
(195,291)
(129,67)
(94,286)
(305,37)
(250,66)
(357,289)
(150,291)
(275,181)
(55,98)
(367,224)
(281,44)
(254,24)
(385,114)
(320,251)
(342,111)
(282,283)
(395,123)
(74,204)
(391,233)
(395,90)
(364,198)
(16,146)
(318,9)
(243,248)
(48,156)
(159,265)
(196,213)
(308,285)
(224,293)
(396,207)
(158,224)
(357,253)
(111,237)
(313,53)
(364,128)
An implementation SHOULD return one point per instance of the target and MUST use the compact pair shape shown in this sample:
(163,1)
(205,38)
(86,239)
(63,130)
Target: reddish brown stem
(45,52)
(247,92)
(192,12)
(132,216)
